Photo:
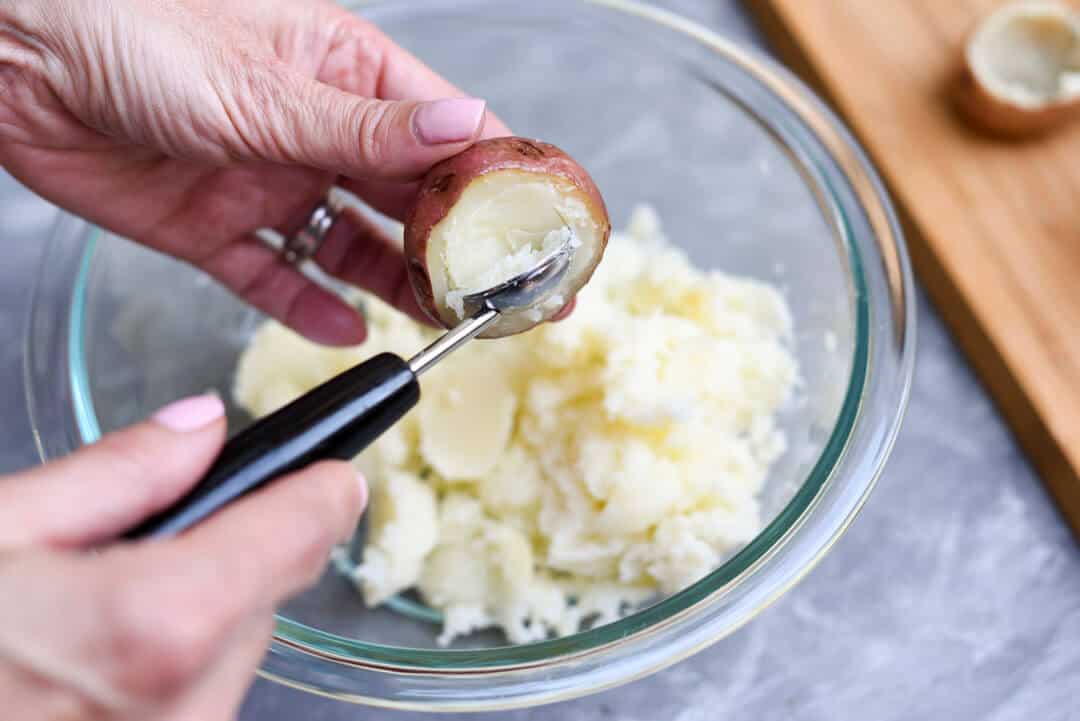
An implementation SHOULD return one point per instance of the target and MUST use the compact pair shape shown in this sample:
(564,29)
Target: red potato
(1019,72)
(1001,117)
(491,212)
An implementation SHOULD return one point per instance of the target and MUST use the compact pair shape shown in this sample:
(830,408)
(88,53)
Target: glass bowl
(749,172)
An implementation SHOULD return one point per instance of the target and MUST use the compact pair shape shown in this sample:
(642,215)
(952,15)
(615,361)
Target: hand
(157,630)
(188,124)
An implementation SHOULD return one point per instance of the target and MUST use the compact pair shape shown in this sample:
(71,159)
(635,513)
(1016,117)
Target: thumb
(102,490)
(317,125)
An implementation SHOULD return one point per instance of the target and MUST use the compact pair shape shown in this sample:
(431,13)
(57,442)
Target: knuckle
(358,27)
(134,456)
(372,121)
(250,120)
(350,31)
(143,461)
(360,41)
(131,450)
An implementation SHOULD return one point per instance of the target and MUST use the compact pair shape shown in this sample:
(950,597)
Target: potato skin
(999,117)
(446,181)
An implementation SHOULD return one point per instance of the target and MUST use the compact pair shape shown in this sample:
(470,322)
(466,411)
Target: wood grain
(993,226)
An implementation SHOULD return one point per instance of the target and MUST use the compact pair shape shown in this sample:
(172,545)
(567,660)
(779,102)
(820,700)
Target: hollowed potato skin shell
(447,180)
(997,116)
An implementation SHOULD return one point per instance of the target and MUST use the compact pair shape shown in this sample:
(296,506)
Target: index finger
(405,77)
(364,60)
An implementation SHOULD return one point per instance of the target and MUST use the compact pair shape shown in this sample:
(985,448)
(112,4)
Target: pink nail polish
(453,120)
(190,414)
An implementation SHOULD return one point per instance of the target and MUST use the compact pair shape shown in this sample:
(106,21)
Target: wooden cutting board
(993,227)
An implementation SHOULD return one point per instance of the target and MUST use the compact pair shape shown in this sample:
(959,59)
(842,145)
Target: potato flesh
(505,223)
(652,407)
(1030,56)
(497,260)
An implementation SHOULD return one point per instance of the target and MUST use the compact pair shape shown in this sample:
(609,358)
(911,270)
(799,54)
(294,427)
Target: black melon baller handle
(335,420)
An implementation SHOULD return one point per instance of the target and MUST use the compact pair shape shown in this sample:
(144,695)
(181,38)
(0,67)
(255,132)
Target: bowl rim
(660,619)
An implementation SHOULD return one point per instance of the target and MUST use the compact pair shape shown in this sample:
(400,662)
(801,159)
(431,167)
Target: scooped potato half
(494,211)
(1020,70)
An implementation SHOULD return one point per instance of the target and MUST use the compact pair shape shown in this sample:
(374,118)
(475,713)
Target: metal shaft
(462,333)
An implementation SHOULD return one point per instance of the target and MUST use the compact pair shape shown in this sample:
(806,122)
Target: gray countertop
(955,595)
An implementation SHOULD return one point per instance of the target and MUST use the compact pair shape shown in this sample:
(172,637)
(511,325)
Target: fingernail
(453,120)
(325,319)
(565,311)
(363,490)
(191,414)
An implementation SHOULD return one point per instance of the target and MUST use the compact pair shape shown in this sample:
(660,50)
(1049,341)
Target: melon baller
(341,417)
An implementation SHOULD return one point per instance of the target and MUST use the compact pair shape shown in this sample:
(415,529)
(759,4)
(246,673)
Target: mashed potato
(563,475)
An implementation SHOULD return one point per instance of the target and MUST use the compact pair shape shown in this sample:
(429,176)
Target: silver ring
(307,241)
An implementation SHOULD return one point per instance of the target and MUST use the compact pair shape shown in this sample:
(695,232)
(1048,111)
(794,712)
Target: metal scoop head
(523,291)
